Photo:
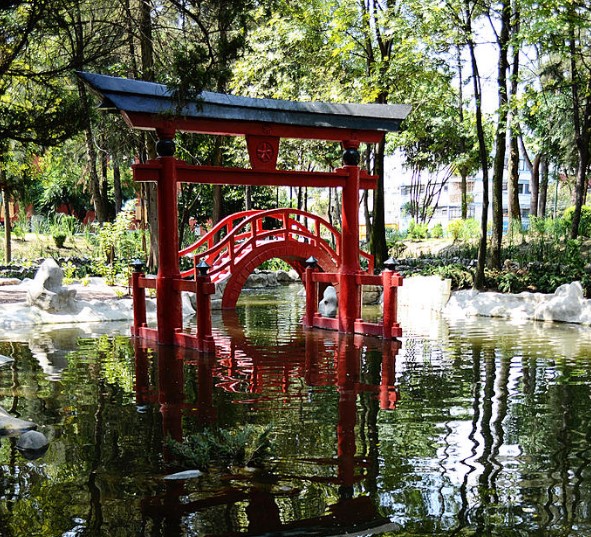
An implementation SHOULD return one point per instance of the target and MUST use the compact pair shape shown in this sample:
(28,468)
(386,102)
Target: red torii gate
(263,122)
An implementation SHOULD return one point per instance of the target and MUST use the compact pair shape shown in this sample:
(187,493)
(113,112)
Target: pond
(477,427)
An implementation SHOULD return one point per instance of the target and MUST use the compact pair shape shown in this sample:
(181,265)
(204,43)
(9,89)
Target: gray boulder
(32,444)
(47,292)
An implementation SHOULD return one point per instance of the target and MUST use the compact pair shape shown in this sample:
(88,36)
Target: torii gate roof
(150,106)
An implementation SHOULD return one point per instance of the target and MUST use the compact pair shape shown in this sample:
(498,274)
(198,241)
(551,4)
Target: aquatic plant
(248,446)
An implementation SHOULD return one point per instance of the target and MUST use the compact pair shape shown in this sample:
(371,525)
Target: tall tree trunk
(378,245)
(104,157)
(247,197)
(79,61)
(117,192)
(500,139)
(7,225)
(482,150)
(91,156)
(130,29)
(366,214)
(534,177)
(513,179)
(217,209)
(543,194)
(147,73)
(463,174)
(582,127)
(534,185)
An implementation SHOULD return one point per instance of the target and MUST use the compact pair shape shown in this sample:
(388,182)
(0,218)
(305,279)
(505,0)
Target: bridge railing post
(311,292)
(203,291)
(391,281)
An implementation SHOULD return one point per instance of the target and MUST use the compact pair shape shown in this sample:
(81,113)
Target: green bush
(584,224)
(463,229)
(437,231)
(275,264)
(395,242)
(59,238)
(418,231)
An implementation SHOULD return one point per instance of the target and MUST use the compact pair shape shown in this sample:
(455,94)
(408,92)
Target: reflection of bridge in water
(241,367)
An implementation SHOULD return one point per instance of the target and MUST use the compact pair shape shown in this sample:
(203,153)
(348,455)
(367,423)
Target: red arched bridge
(250,238)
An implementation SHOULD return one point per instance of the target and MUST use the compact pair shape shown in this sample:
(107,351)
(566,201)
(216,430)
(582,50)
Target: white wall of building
(397,180)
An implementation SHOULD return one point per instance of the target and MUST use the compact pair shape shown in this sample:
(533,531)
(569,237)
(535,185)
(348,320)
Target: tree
(36,108)
(562,32)
(502,39)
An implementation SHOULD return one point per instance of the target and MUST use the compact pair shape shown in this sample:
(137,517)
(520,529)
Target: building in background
(447,204)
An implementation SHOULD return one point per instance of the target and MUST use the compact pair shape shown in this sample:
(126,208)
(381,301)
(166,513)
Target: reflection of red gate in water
(262,122)
(308,359)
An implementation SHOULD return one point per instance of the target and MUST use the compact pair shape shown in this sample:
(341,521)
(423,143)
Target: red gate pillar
(168,299)
(348,370)
(349,291)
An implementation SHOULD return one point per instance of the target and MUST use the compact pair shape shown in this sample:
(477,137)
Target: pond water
(475,427)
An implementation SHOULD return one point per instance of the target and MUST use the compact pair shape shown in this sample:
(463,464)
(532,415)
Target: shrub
(417,231)
(584,224)
(437,231)
(59,238)
(463,229)
(395,242)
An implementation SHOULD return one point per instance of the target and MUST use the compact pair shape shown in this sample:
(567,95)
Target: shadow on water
(466,427)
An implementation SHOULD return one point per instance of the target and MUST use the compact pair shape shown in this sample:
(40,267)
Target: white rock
(328,305)
(47,292)
(566,304)
(182,476)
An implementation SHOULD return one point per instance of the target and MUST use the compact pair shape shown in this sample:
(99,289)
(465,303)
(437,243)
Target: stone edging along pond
(566,304)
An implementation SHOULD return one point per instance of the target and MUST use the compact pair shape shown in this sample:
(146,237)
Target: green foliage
(584,224)
(64,224)
(437,231)
(418,231)
(395,242)
(275,264)
(511,282)
(21,225)
(464,229)
(248,446)
(117,244)
(461,277)
(59,238)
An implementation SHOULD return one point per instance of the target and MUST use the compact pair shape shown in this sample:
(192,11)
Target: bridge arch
(295,254)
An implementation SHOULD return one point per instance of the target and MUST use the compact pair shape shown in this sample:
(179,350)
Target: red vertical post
(390,281)
(388,303)
(347,379)
(142,376)
(349,292)
(388,392)
(168,299)
(205,288)
(171,391)
(139,299)
(205,407)
(311,294)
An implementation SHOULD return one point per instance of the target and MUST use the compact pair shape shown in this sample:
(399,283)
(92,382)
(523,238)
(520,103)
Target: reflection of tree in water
(528,444)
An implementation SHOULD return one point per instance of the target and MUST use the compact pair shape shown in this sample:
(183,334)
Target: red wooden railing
(243,232)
